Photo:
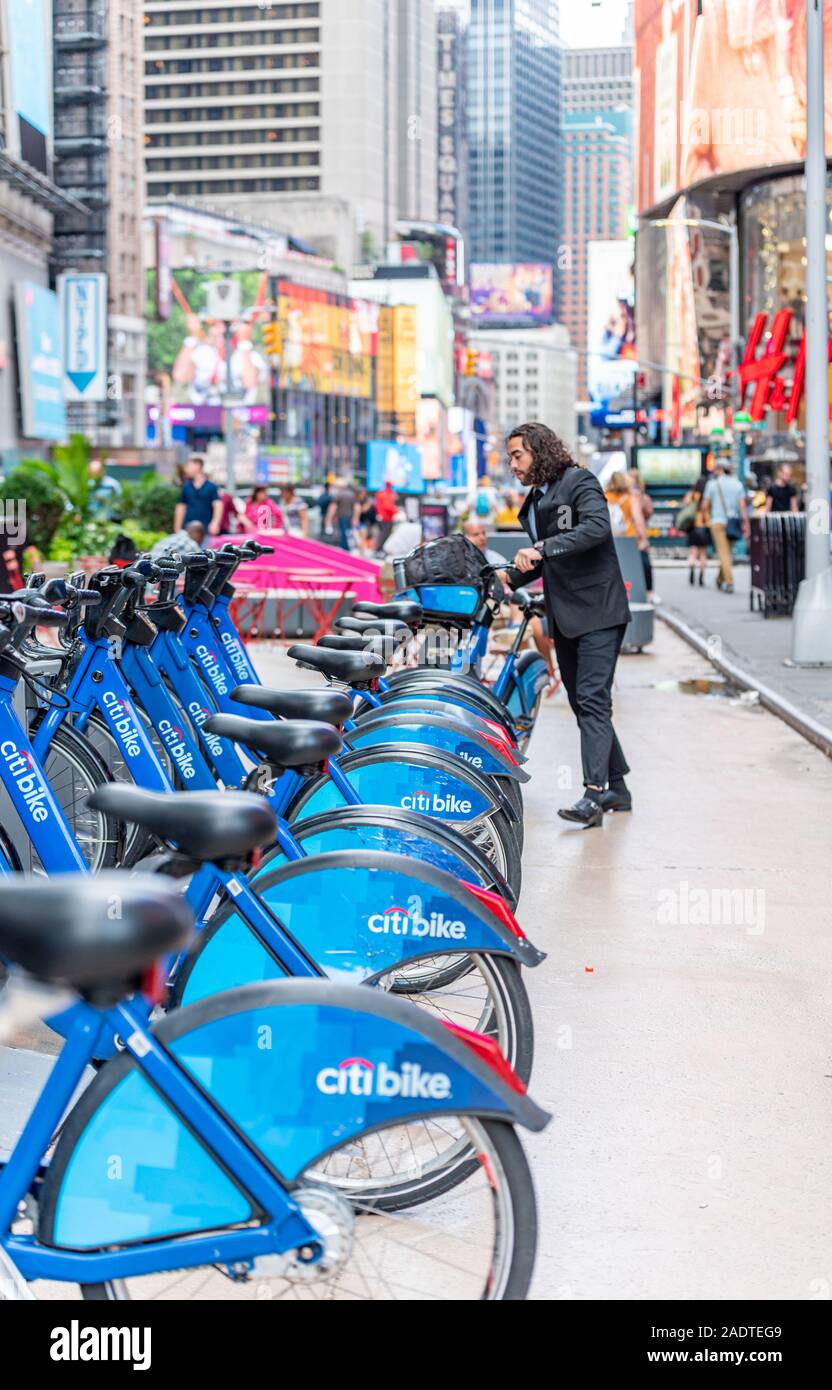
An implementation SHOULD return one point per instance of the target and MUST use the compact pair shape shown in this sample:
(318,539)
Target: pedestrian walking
(693,520)
(295,511)
(387,505)
(567,517)
(199,499)
(727,519)
(781,495)
(645,506)
(342,511)
(262,512)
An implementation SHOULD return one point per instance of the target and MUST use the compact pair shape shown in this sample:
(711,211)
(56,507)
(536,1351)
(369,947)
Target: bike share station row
(277,928)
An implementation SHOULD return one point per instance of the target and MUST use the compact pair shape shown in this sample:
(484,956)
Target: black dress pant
(587,667)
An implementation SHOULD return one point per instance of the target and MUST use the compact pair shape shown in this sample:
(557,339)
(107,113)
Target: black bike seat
(206,826)
(348,642)
(353,668)
(288,743)
(329,706)
(374,627)
(403,611)
(96,935)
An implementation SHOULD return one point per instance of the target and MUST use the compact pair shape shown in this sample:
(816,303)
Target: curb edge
(810,729)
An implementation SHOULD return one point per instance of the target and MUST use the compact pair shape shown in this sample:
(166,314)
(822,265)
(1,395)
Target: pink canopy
(304,565)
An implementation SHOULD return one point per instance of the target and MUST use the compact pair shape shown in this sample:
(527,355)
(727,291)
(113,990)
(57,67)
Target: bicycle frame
(24,779)
(284,1229)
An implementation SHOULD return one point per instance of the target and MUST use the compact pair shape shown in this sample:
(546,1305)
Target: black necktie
(537,494)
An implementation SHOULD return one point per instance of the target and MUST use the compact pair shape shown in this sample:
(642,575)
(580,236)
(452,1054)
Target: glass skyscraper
(514,130)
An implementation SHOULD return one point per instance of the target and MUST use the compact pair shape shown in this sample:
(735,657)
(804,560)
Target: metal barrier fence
(778,561)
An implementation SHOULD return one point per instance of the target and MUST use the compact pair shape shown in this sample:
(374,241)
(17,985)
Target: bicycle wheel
(494,835)
(74,770)
(478,1244)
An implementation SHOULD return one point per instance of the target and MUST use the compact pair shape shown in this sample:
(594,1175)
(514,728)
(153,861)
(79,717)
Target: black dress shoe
(586,812)
(614,800)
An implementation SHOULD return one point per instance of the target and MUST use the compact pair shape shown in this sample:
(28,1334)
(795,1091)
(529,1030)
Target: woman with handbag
(727,515)
(692,519)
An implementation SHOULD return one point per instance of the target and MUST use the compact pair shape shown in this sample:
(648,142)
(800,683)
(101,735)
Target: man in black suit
(567,518)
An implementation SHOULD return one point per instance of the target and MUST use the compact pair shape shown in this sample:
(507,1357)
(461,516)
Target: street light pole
(812,633)
(229,413)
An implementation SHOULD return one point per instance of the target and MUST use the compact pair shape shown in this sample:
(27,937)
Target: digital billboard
(721,87)
(30,61)
(328,341)
(665,467)
(397,464)
(611,349)
(511,295)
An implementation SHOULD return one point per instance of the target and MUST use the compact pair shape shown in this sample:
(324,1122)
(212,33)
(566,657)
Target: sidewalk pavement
(682,1013)
(760,646)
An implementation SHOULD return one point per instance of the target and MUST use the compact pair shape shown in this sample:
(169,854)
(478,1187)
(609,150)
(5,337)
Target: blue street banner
(30,69)
(83,299)
(40,363)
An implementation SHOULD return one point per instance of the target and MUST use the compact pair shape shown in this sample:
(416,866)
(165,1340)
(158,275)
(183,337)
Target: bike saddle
(374,627)
(296,743)
(96,935)
(403,611)
(348,642)
(207,826)
(528,601)
(353,668)
(329,706)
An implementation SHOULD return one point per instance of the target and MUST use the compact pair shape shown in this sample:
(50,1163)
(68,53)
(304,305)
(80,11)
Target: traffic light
(472,362)
(272,338)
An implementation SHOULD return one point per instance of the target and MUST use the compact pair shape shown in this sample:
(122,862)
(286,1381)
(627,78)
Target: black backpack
(448,560)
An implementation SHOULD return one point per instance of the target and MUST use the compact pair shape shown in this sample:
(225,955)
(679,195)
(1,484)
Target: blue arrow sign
(84,320)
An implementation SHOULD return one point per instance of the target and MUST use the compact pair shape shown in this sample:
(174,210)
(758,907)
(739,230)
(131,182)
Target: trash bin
(639,632)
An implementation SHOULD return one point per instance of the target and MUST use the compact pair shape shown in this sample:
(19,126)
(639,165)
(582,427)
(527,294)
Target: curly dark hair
(551,456)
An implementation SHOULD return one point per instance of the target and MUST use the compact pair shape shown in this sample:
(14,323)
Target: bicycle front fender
(388,828)
(411,777)
(438,732)
(359,914)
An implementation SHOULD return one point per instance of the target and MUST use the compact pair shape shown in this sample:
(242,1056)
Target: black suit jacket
(581,574)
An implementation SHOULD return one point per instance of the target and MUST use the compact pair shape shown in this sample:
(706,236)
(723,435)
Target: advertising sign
(329,341)
(405,374)
(30,60)
(40,363)
(721,87)
(669,467)
(503,295)
(398,464)
(83,301)
(611,362)
(451,152)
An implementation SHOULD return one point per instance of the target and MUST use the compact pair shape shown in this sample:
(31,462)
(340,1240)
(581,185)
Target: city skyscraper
(513,95)
(98,159)
(318,117)
(597,172)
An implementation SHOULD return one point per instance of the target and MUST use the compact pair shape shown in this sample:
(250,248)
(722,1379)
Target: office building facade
(318,118)
(513,102)
(597,133)
(98,161)
(534,373)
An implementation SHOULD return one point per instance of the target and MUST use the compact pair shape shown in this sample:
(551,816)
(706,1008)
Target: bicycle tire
(509,1166)
(137,842)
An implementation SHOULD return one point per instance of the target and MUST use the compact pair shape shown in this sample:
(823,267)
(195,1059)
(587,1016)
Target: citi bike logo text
(355,1076)
(212,669)
(398,921)
(199,714)
(236,656)
(27,781)
(433,802)
(469,758)
(123,721)
(172,739)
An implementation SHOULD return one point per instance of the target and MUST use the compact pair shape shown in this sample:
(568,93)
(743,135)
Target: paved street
(761,646)
(681,1031)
